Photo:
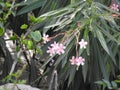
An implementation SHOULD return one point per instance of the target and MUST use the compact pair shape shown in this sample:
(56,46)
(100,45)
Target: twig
(13,67)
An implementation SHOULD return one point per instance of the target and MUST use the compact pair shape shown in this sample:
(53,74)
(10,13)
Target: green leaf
(36,35)
(54,12)
(85,70)
(118,76)
(101,63)
(14,37)
(21,81)
(100,83)
(24,41)
(30,45)
(71,74)
(1,12)
(39,50)
(8,5)
(17,48)
(106,8)
(31,7)
(32,18)
(108,34)
(114,85)
(107,83)
(40,19)
(1,31)
(28,2)
(36,20)
(117,81)
(24,26)
(73,1)
(104,45)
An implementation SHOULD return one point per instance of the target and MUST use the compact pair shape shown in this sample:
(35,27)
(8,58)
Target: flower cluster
(77,61)
(114,7)
(56,48)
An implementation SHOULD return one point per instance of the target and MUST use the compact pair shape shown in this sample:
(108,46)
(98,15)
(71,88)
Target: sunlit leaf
(29,44)
(1,31)
(14,37)
(24,26)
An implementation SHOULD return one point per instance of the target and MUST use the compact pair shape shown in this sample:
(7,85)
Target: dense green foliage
(66,22)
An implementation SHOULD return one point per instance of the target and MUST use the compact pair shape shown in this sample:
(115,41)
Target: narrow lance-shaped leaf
(101,63)
(108,34)
(86,37)
(31,7)
(71,74)
(85,70)
(103,43)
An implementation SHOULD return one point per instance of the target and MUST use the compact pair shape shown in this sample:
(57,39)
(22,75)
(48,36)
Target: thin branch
(13,67)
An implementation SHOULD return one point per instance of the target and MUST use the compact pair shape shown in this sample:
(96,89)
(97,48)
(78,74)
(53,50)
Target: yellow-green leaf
(24,26)
(30,45)
(1,31)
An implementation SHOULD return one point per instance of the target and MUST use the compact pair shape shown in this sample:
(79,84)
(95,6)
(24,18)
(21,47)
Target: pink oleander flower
(60,49)
(82,43)
(46,38)
(51,51)
(114,7)
(56,48)
(77,61)
(55,45)
(80,61)
(73,60)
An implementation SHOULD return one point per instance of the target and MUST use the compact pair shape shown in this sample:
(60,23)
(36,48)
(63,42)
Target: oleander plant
(60,44)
